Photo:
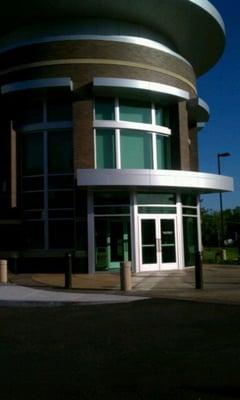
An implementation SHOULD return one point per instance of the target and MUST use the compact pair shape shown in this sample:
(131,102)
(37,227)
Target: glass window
(35,214)
(60,152)
(112,198)
(59,109)
(33,200)
(58,214)
(60,199)
(189,211)
(81,203)
(105,143)
(60,181)
(136,149)
(162,116)
(111,210)
(135,111)
(163,152)
(190,240)
(157,210)
(33,154)
(29,112)
(189,200)
(149,254)
(104,108)
(30,184)
(61,234)
(168,241)
(156,198)
(34,235)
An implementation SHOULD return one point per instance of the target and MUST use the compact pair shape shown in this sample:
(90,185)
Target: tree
(211,226)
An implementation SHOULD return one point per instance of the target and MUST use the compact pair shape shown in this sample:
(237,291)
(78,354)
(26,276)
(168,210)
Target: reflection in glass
(168,241)
(136,149)
(33,154)
(60,152)
(135,111)
(105,143)
(104,108)
(149,255)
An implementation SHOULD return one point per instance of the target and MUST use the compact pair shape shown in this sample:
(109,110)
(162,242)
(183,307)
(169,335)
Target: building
(99,123)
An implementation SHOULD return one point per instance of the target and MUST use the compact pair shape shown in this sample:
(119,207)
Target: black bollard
(198,271)
(68,272)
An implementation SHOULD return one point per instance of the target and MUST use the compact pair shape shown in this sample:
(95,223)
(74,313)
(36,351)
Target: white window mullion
(117,111)
(153,114)
(154,149)
(118,149)
(95,147)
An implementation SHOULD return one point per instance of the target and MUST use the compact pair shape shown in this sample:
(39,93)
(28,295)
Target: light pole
(219,155)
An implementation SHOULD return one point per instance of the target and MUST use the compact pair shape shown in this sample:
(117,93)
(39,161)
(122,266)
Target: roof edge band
(132,85)
(36,84)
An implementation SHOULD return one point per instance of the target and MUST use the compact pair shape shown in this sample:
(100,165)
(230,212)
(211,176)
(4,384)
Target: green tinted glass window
(60,152)
(135,111)
(156,198)
(163,152)
(136,149)
(105,144)
(189,211)
(189,200)
(116,198)
(59,109)
(33,154)
(162,116)
(104,108)
(190,240)
(157,210)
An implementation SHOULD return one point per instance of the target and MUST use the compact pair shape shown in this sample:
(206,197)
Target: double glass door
(157,243)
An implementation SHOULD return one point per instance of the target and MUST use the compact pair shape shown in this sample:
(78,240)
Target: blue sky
(220,88)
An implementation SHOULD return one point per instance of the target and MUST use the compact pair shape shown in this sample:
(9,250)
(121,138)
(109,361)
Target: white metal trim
(199,182)
(131,125)
(141,85)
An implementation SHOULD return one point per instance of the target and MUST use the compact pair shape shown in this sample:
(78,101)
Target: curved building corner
(99,122)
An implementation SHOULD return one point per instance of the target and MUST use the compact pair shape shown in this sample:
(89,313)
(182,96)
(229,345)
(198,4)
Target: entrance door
(112,241)
(157,243)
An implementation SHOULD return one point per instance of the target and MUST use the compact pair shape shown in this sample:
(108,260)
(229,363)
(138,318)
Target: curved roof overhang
(194,27)
(187,181)
(141,89)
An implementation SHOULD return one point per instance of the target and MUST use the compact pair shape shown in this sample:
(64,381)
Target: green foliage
(214,255)
(211,226)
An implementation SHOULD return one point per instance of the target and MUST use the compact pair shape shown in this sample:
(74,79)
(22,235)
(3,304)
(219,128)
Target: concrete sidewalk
(221,285)
(11,294)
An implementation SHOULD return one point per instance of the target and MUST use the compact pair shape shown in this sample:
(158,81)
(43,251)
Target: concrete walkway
(221,285)
(11,294)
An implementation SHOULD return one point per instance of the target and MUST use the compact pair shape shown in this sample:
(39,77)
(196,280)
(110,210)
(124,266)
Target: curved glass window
(104,108)
(29,112)
(163,152)
(105,144)
(32,154)
(136,149)
(47,172)
(143,144)
(135,111)
(60,152)
(162,116)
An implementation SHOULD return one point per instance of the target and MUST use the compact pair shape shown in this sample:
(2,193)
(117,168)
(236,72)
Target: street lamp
(219,155)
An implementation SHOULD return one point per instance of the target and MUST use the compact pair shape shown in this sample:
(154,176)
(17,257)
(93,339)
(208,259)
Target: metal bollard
(68,272)
(198,271)
(3,271)
(126,276)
